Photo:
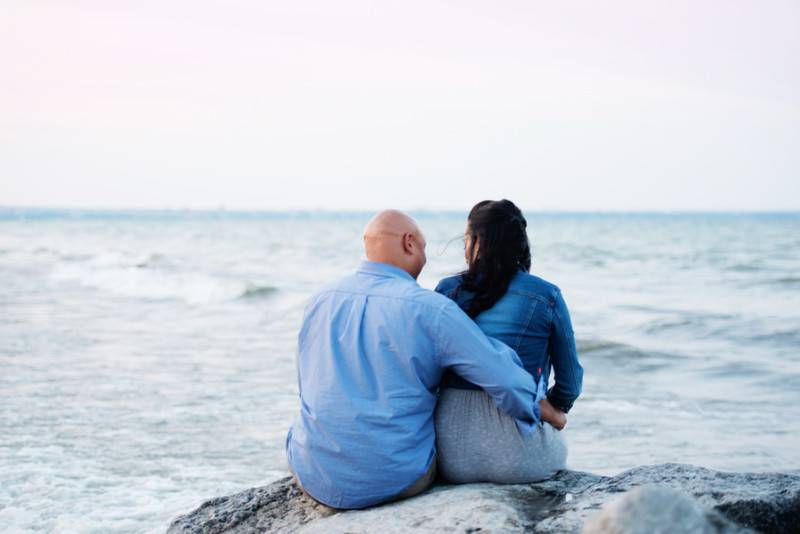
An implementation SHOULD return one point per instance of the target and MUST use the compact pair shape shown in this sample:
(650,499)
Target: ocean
(147,357)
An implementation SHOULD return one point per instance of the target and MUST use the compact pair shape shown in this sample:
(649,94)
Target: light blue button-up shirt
(371,353)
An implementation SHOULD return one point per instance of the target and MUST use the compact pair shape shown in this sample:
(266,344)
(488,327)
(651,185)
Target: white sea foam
(133,277)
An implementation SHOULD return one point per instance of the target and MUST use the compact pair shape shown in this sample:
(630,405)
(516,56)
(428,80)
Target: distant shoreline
(18,213)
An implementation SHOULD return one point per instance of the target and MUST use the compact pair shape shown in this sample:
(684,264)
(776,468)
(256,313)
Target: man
(371,352)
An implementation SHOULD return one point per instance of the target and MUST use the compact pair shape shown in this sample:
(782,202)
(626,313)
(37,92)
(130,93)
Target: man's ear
(408,243)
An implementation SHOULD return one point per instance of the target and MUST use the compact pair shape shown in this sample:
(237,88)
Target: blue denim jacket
(532,319)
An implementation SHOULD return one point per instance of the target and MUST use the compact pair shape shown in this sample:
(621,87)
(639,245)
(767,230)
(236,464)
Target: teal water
(147,358)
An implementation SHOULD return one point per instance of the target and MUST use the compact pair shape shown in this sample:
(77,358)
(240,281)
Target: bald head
(393,237)
(388,222)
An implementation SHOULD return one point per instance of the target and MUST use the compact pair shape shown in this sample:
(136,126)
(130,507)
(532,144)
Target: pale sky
(577,105)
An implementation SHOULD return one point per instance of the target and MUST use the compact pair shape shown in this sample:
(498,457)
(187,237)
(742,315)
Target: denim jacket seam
(529,294)
(524,329)
(551,307)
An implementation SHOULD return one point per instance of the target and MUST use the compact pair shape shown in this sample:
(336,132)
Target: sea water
(147,359)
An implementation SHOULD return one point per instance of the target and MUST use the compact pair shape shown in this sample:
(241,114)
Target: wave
(600,348)
(789,337)
(780,282)
(255,291)
(627,358)
(151,260)
(139,279)
(786,281)
(594,345)
(689,322)
(745,267)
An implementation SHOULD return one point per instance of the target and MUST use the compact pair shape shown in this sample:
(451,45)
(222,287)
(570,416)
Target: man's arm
(488,363)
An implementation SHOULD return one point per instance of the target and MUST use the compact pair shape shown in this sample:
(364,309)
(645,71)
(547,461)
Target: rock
(278,507)
(658,510)
(763,502)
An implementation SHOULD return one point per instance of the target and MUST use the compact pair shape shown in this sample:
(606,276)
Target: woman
(477,442)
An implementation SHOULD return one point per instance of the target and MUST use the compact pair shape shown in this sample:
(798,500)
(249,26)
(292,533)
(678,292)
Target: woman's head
(496,248)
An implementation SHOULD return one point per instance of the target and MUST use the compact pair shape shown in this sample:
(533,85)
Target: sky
(258,104)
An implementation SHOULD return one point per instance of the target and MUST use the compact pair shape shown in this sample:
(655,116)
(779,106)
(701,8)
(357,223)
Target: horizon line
(223,210)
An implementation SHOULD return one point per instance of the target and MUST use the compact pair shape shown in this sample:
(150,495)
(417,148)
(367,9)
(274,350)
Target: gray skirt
(477,442)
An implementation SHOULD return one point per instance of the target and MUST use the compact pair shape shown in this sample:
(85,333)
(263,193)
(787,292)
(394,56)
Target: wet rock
(762,502)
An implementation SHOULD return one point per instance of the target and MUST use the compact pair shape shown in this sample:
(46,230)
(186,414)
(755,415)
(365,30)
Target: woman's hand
(552,415)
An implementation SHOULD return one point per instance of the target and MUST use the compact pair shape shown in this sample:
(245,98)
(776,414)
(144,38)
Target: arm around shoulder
(486,362)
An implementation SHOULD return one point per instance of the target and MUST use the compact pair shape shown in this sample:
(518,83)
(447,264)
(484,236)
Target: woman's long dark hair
(499,230)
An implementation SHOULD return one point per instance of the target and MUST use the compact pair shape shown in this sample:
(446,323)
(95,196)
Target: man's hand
(552,415)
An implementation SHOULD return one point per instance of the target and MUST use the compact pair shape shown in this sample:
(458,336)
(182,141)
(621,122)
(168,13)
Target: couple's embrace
(396,380)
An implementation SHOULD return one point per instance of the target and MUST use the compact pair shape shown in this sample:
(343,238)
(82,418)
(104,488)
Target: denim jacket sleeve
(564,357)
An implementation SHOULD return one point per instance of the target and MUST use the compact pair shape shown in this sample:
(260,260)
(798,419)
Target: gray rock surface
(658,510)
(763,502)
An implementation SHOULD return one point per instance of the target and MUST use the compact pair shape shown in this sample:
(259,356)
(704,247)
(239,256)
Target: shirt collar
(383,269)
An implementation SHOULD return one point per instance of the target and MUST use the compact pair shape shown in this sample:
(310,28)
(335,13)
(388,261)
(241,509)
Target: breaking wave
(143,278)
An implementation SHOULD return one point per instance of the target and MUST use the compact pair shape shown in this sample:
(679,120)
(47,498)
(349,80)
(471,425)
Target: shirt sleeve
(564,357)
(486,362)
